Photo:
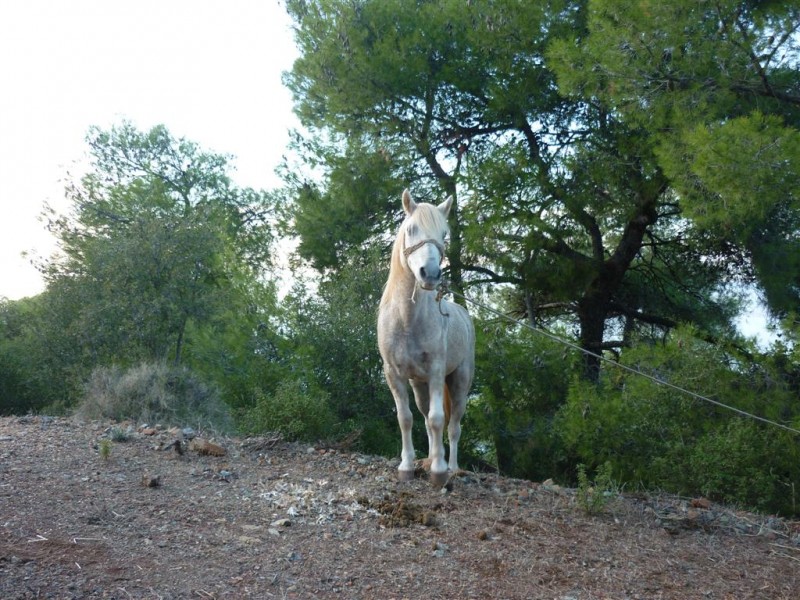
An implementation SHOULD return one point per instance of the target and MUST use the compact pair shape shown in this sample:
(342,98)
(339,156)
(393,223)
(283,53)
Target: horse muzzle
(429,277)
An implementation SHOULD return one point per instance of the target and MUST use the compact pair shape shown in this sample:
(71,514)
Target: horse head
(424,231)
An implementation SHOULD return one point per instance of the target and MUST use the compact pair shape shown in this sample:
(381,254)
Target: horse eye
(412,229)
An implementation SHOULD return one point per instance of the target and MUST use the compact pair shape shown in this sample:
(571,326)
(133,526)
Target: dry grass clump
(154,393)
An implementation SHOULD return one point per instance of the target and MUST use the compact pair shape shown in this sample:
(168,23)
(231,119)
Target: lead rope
(441,290)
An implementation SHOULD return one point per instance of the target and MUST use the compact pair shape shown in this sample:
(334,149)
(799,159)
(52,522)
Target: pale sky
(210,70)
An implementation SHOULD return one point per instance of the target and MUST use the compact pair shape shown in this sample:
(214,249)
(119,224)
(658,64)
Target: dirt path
(277,520)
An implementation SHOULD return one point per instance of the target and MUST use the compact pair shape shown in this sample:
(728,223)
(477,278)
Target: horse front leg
(397,385)
(435,422)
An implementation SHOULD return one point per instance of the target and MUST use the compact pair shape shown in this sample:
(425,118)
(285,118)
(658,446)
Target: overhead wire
(619,365)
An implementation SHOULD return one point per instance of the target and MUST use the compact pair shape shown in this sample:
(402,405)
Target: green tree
(716,85)
(564,199)
(160,244)
(602,153)
(333,344)
(515,401)
(24,363)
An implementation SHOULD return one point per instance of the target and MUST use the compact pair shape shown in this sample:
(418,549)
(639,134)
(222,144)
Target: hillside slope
(276,520)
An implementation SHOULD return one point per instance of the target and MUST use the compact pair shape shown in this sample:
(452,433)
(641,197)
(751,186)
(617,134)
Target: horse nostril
(422,273)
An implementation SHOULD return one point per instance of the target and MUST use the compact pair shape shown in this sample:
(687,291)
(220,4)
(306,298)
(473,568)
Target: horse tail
(448,407)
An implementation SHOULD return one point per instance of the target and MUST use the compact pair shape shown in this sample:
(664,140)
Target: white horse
(425,341)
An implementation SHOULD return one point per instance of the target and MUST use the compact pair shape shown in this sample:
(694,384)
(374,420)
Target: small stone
(281,523)
(483,535)
(249,541)
(151,481)
(428,519)
(206,448)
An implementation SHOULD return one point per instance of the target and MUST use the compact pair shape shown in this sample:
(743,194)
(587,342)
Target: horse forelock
(432,224)
(430,220)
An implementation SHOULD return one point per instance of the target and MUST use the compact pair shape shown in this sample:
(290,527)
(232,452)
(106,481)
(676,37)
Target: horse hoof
(405,475)
(440,479)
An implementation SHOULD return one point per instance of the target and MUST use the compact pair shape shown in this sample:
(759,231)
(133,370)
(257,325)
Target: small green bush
(594,496)
(297,410)
(118,434)
(104,449)
(154,393)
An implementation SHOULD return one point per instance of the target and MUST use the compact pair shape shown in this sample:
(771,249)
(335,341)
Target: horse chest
(417,361)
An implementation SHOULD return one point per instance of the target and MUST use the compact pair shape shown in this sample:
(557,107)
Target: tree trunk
(592,320)
(454,250)
(595,304)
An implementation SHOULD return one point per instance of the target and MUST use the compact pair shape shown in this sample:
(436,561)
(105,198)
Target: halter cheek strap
(408,251)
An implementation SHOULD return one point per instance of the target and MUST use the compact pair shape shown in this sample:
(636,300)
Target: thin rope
(652,378)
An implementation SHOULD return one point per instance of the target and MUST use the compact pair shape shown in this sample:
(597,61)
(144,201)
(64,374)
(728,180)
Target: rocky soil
(159,516)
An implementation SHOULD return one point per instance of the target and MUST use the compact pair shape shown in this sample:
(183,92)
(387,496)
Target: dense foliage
(162,260)
(623,171)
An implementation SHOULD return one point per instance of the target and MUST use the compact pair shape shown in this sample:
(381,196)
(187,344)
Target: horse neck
(402,294)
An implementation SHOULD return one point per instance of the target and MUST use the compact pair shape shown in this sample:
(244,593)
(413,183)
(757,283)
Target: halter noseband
(408,251)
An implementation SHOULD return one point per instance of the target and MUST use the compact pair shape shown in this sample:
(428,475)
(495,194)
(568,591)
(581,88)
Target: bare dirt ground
(271,519)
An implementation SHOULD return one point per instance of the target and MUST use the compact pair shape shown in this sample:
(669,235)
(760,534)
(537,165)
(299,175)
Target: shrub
(594,496)
(521,380)
(654,436)
(297,410)
(154,393)
(118,434)
(104,448)
(746,463)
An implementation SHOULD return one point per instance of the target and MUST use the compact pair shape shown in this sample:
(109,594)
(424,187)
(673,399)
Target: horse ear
(409,206)
(445,206)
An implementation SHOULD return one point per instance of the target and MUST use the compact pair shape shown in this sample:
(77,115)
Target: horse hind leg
(422,400)
(456,391)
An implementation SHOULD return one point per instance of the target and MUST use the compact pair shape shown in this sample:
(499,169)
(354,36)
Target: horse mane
(431,222)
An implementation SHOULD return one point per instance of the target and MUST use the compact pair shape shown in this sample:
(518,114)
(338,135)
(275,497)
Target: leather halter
(407,252)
